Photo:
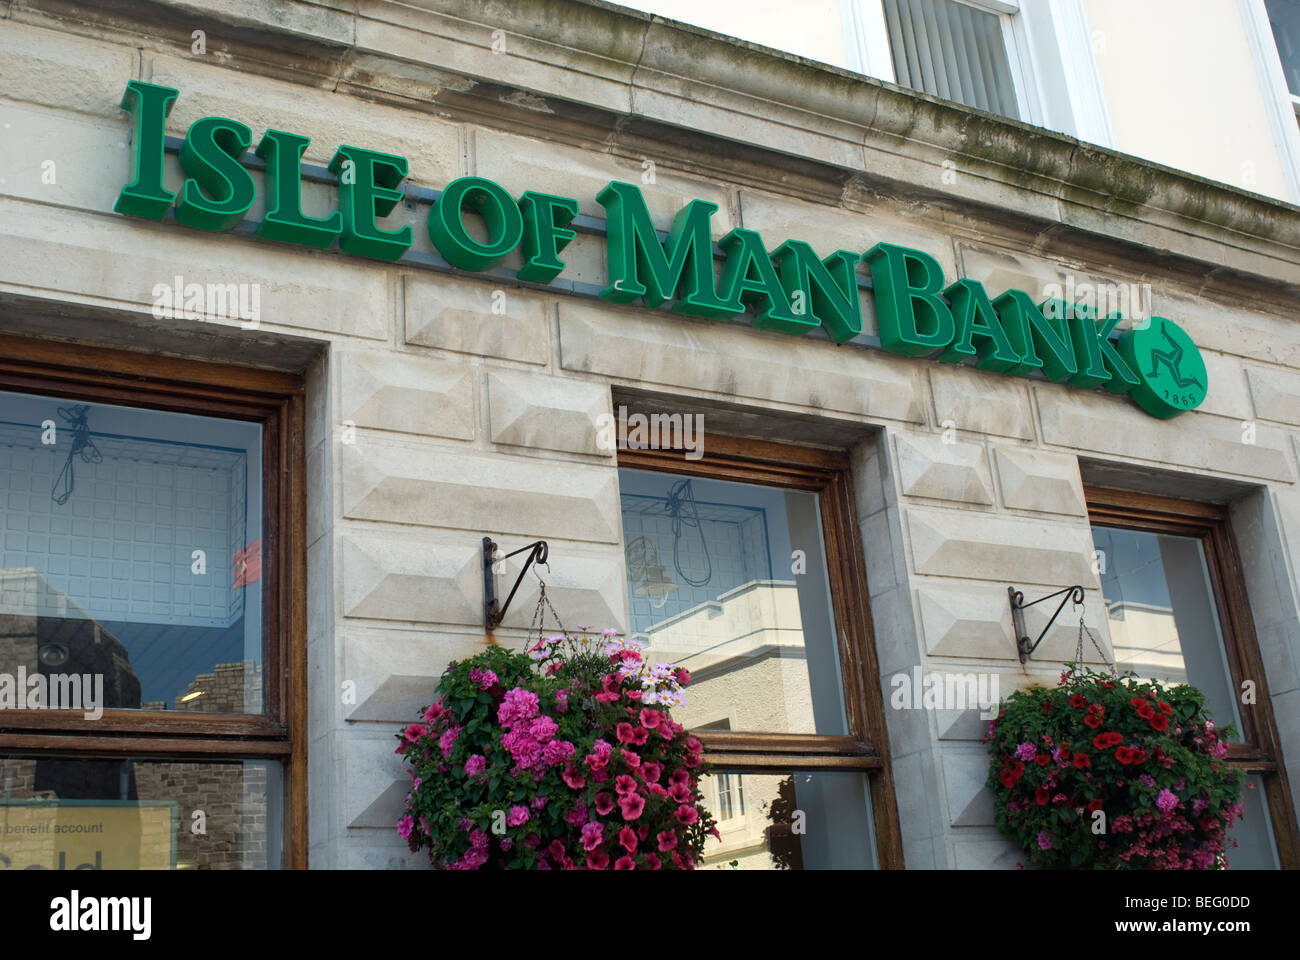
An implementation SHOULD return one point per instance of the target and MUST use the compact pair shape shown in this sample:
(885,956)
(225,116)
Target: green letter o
(497,208)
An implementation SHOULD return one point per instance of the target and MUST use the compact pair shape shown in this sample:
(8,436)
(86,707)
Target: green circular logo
(1170,371)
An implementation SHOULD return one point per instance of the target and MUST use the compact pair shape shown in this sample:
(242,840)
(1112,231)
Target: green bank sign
(790,289)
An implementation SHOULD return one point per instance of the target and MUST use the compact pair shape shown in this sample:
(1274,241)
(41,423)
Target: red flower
(1146,711)
(1164,708)
(1159,722)
(1107,685)
(1043,759)
(1104,741)
(1077,700)
(1093,720)
(1008,779)
(1138,702)
(1094,804)
(1047,706)
(1082,760)
(1042,795)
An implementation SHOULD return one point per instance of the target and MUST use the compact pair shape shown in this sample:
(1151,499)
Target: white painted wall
(1182,89)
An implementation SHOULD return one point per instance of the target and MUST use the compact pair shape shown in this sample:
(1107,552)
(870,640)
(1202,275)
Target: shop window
(150,612)
(1178,613)
(742,567)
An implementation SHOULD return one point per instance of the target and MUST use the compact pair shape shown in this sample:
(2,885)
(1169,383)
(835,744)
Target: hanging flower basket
(1112,772)
(562,758)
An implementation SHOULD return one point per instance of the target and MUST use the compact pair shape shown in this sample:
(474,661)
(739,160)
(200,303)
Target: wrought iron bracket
(1024,646)
(494,611)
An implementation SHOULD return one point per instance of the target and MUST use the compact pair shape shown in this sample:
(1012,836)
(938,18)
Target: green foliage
(1112,772)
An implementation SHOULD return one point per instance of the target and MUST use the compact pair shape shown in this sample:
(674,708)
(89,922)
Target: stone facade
(443,406)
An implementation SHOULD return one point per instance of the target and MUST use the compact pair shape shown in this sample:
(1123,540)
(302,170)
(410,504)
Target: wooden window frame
(276,401)
(1261,749)
(866,747)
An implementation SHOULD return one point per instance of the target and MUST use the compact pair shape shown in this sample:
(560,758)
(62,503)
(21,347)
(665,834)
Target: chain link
(1078,649)
(539,617)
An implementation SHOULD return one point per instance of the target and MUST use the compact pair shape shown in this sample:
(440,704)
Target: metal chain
(539,619)
(1078,649)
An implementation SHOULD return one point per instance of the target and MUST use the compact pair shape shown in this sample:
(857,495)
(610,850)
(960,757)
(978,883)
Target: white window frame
(1282,105)
(1049,50)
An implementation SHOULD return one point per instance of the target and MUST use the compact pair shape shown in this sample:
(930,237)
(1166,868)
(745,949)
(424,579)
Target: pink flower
(604,803)
(562,701)
(650,718)
(556,850)
(631,805)
(650,772)
(556,752)
(624,863)
(667,840)
(653,862)
(686,814)
(405,826)
(517,817)
(447,739)
(517,706)
(680,792)
(623,785)
(1044,841)
(683,677)
(577,816)
(631,759)
(573,779)
(542,729)
(539,801)
(598,860)
(693,745)
(680,776)
(415,731)
(625,733)
(475,765)
(627,838)
(434,711)
(593,835)
(657,790)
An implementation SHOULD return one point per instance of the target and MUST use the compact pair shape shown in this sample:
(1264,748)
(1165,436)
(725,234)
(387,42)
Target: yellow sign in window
(87,835)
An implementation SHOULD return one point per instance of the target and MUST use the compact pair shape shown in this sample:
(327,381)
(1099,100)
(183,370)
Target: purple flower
(592,836)
(1026,751)
(1147,780)
(517,817)
(1166,801)
(405,826)
(475,765)
(1044,841)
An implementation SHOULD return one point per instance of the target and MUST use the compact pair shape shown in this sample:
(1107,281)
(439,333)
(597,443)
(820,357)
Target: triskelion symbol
(1173,359)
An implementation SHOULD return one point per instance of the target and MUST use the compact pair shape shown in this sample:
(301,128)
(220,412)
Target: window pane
(796,821)
(729,581)
(951,50)
(1164,621)
(130,557)
(1284,17)
(59,813)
